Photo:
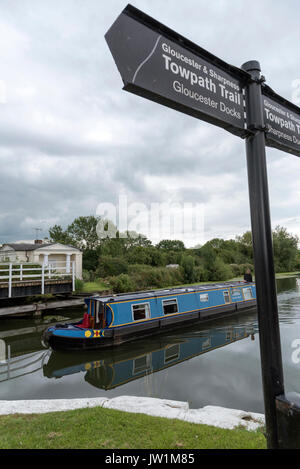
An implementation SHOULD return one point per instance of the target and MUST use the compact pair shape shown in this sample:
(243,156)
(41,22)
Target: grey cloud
(70,138)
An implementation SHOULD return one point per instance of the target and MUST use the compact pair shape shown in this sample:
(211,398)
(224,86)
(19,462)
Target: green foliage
(79,284)
(88,275)
(201,274)
(240,269)
(171,245)
(188,268)
(90,259)
(109,266)
(144,277)
(132,262)
(285,250)
(58,235)
(207,255)
(122,283)
(220,271)
(81,233)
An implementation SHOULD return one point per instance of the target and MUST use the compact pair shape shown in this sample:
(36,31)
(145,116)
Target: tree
(58,235)
(207,254)
(188,268)
(81,233)
(245,245)
(171,245)
(220,271)
(285,250)
(134,239)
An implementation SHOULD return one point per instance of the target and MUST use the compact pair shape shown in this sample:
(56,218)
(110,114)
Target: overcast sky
(71,139)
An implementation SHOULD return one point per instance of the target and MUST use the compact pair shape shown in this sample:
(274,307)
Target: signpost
(159,64)
(282,122)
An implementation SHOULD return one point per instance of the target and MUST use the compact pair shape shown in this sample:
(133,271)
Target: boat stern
(74,337)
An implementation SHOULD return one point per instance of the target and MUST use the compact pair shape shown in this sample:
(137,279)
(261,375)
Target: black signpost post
(269,335)
(163,66)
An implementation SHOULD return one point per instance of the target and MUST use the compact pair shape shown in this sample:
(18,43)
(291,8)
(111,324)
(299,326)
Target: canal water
(216,363)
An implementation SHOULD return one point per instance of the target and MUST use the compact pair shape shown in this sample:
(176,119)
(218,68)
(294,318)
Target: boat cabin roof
(167,292)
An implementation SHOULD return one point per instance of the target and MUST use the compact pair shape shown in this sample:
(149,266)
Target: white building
(54,255)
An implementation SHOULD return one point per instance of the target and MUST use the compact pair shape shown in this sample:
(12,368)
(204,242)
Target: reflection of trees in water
(288,290)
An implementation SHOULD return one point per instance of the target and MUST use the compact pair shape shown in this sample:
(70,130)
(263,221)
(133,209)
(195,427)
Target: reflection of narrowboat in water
(122,318)
(107,369)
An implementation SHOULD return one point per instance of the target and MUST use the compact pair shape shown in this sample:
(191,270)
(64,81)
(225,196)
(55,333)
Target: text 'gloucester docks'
(193,78)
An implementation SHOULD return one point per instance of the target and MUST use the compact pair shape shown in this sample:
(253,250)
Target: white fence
(11,273)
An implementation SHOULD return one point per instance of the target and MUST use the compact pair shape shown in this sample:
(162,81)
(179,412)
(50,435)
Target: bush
(188,269)
(201,274)
(122,283)
(79,284)
(111,266)
(239,269)
(89,260)
(88,275)
(220,271)
(144,277)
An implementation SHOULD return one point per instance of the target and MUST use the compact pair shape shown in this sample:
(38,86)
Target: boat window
(248,295)
(226,296)
(172,353)
(141,311)
(204,297)
(170,306)
(142,364)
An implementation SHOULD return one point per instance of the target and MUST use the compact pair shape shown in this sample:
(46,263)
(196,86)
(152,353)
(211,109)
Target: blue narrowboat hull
(114,320)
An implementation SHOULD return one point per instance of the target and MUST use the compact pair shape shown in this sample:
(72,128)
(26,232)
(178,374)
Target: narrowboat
(113,320)
(107,369)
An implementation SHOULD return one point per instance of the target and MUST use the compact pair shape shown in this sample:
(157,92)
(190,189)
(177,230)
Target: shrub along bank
(130,261)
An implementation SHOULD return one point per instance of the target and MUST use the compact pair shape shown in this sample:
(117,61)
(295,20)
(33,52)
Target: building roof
(25,246)
(33,247)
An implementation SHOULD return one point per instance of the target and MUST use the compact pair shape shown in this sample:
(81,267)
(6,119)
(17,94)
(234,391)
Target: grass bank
(287,274)
(97,286)
(100,428)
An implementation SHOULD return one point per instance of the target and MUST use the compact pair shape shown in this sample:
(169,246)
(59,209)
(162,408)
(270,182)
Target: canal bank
(102,428)
(209,415)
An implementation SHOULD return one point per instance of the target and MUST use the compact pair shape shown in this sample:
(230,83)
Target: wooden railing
(11,273)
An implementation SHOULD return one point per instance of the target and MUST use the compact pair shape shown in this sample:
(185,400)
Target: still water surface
(217,363)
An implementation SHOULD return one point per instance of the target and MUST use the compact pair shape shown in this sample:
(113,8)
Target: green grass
(98,286)
(287,274)
(111,429)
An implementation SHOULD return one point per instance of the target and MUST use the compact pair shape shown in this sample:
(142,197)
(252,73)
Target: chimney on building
(38,241)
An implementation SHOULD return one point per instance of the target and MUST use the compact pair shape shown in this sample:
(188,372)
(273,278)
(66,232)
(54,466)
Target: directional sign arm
(282,120)
(159,64)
